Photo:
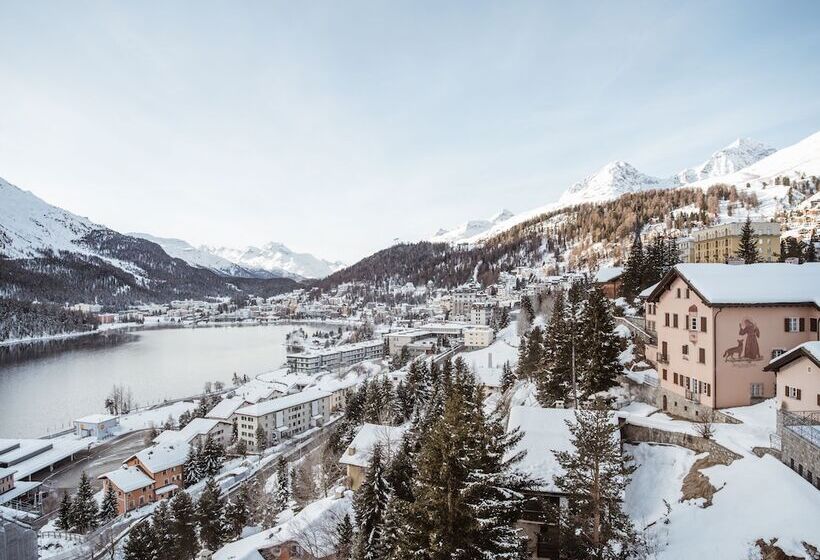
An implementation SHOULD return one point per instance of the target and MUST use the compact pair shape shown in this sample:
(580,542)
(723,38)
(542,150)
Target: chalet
(609,280)
(164,464)
(798,408)
(715,328)
(357,456)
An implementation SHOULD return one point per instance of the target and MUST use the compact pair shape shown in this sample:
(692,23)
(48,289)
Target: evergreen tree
(594,524)
(84,508)
(183,527)
(811,252)
(534,354)
(507,377)
(141,543)
(192,469)
(527,312)
(344,538)
(163,530)
(747,250)
(400,472)
(211,458)
(108,508)
(65,519)
(597,362)
(281,492)
(554,376)
(370,504)
(632,279)
(209,513)
(238,513)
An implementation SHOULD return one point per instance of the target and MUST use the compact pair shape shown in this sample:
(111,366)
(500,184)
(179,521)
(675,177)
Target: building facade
(283,417)
(718,244)
(335,357)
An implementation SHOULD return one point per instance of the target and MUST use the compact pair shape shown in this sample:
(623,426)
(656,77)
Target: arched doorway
(664,402)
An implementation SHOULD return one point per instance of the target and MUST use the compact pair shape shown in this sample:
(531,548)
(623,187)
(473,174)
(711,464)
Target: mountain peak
(609,182)
(741,153)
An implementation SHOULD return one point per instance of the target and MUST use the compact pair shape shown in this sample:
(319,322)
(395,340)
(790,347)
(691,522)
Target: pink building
(719,325)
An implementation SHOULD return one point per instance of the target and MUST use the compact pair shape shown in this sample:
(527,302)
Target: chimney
(351,450)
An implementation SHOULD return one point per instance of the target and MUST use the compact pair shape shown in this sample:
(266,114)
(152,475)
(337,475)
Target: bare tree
(706,428)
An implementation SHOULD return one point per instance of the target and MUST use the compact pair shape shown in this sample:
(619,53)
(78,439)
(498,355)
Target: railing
(693,396)
(805,424)
(662,358)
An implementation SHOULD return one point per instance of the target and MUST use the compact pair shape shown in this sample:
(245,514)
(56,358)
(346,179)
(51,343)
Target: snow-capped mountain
(180,249)
(741,153)
(470,228)
(29,225)
(611,181)
(619,177)
(276,259)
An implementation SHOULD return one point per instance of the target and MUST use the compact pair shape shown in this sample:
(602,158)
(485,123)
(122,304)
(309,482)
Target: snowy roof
(96,418)
(307,528)
(609,273)
(544,430)
(225,408)
(359,452)
(194,428)
(163,456)
(751,284)
(128,478)
(646,293)
(4,472)
(282,403)
(810,350)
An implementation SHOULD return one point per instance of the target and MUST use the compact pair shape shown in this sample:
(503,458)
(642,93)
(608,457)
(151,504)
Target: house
(358,454)
(6,480)
(132,487)
(798,408)
(543,430)
(100,426)
(282,417)
(165,464)
(225,409)
(717,326)
(609,280)
(335,357)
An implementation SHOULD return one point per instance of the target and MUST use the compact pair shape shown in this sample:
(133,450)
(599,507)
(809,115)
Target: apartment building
(481,313)
(798,409)
(718,244)
(478,337)
(335,357)
(283,417)
(198,430)
(462,301)
(717,326)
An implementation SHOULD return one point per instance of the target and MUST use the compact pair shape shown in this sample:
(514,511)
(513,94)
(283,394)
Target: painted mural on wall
(747,349)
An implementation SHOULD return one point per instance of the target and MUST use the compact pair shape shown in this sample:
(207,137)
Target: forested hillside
(20,320)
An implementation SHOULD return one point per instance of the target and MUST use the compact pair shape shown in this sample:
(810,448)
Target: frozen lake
(42,391)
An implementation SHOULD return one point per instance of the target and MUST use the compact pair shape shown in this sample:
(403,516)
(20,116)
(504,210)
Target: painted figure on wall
(751,350)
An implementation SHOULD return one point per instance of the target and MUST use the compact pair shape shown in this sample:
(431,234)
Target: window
(703,324)
(674,377)
(794,324)
(664,378)
(708,389)
(756,389)
(702,355)
(678,293)
(777,352)
(813,325)
(675,320)
(685,351)
(794,393)
(693,322)
(666,319)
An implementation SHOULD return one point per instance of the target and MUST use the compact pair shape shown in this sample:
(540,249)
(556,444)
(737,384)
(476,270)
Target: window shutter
(802,324)
(708,389)
(787,390)
(786,324)
(799,394)
(703,324)
(813,325)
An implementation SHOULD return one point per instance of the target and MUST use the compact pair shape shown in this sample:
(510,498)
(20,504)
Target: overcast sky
(335,127)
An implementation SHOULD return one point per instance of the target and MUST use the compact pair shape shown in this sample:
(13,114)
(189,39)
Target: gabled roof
(810,350)
(366,439)
(749,284)
(164,456)
(607,274)
(282,403)
(128,478)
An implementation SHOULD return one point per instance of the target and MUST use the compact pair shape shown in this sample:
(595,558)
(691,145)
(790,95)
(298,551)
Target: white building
(100,426)
(478,337)
(336,356)
(197,431)
(283,417)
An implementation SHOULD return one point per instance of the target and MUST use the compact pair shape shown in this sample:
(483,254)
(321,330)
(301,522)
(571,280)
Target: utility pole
(574,384)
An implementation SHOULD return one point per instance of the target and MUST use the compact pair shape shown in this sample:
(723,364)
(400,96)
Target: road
(100,459)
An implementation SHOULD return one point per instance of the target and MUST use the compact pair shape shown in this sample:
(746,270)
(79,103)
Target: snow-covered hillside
(470,228)
(276,259)
(742,162)
(29,225)
(181,249)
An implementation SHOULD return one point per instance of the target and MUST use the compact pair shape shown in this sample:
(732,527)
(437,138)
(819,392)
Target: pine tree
(281,492)
(238,513)
(84,508)
(163,530)
(594,524)
(108,508)
(370,504)
(65,519)
(554,376)
(141,543)
(747,249)
(811,252)
(211,458)
(209,513)
(597,363)
(632,279)
(261,439)
(183,526)
(344,538)
(507,377)
(191,469)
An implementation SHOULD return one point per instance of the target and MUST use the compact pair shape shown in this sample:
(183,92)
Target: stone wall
(17,541)
(677,405)
(800,455)
(698,444)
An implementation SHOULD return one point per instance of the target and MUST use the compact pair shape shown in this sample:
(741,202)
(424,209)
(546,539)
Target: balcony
(663,358)
(692,396)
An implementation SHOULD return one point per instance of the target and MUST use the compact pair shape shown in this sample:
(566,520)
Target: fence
(806,424)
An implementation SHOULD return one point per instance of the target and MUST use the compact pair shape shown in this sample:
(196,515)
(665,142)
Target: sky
(337,127)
